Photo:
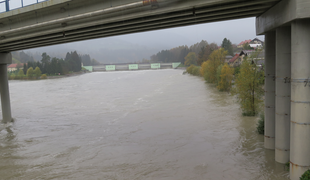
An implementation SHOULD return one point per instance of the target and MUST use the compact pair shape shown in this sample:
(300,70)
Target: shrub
(195,71)
(225,77)
(237,70)
(189,69)
(43,76)
(30,72)
(37,72)
(305,176)
(261,124)
(20,74)
(12,76)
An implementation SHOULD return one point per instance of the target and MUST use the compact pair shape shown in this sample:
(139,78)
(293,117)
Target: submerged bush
(189,69)
(193,70)
(305,176)
(43,76)
(261,124)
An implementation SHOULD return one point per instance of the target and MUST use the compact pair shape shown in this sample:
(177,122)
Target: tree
(20,73)
(200,59)
(218,73)
(216,58)
(86,60)
(248,86)
(205,52)
(30,72)
(45,61)
(226,44)
(37,72)
(25,68)
(225,78)
(190,59)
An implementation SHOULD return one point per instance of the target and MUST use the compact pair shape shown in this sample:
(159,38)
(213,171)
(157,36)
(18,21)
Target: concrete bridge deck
(62,21)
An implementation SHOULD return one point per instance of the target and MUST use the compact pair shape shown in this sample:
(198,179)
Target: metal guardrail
(16,4)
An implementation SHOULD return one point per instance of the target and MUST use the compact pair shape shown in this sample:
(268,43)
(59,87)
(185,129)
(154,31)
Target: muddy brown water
(139,125)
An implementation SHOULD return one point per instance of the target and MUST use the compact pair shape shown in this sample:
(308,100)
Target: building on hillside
(240,45)
(233,62)
(227,58)
(238,58)
(256,43)
(14,67)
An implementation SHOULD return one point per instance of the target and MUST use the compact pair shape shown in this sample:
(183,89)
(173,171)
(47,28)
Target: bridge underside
(63,21)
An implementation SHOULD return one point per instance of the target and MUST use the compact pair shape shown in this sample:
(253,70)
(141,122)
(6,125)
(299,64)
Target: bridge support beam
(300,100)
(5,58)
(270,57)
(283,94)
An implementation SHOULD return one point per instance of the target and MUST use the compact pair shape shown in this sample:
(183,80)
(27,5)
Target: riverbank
(51,77)
(68,75)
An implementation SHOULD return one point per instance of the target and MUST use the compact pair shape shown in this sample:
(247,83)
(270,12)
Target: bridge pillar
(283,94)
(5,58)
(270,57)
(300,100)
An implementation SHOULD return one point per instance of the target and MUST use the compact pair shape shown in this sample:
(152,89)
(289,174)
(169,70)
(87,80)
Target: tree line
(245,82)
(52,66)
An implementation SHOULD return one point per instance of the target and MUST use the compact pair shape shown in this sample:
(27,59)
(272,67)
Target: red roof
(14,65)
(234,58)
(243,42)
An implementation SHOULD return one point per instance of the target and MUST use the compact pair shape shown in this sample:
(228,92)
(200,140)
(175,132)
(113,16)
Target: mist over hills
(120,49)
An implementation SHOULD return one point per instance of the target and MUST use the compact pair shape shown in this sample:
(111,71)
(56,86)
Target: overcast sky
(235,30)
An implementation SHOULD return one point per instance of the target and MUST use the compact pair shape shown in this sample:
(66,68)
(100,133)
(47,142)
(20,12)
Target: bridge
(285,24)
(133,67)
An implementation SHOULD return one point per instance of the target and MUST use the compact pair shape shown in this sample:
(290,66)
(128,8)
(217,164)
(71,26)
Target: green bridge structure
(132,67)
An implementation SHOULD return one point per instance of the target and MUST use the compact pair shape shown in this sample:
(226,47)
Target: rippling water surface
(139,125)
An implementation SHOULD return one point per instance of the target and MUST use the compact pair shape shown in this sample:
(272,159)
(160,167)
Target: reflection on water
(131,125)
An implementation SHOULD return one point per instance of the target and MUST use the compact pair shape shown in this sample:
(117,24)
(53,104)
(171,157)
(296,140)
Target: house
(240,45)
(233,61)
(256,43)
(237,59)
(227,58)
(14,67)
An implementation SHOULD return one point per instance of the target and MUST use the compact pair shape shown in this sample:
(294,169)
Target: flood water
(139,125)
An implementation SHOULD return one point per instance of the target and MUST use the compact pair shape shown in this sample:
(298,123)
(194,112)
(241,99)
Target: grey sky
(235,30)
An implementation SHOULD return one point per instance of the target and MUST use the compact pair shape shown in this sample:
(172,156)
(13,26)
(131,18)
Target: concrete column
(5,58)
(283,94)
(270,57)
(300,100)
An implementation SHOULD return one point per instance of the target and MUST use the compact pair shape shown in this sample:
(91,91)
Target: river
(137,125)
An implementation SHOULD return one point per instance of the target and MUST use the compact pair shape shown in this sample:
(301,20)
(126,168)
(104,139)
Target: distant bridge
(133,67)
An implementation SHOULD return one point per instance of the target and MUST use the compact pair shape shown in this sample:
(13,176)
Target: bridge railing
(8,5)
